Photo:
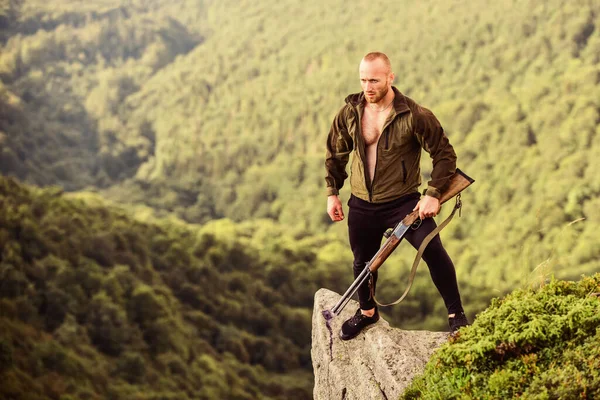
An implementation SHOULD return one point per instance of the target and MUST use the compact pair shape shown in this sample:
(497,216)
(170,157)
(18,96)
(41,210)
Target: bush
(531,344)
(131,367)
(6,355)
(52,357)
(107,325)
(172,364)
(13,281)
(162,336)
(146,306)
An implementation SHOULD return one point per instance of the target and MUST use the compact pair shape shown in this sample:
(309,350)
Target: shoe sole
(343,337)
(348,337)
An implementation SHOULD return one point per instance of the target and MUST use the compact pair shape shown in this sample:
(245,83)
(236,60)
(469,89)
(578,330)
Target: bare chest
(372,125)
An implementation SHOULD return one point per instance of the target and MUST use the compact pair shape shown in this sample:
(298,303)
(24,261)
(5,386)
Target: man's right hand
(334,208)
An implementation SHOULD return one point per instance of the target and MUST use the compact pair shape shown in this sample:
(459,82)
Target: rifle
(458,182)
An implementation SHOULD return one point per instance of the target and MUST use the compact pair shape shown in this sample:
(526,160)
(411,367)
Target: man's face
(376,79)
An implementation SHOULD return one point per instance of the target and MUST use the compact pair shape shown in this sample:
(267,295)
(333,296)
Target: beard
(378,95)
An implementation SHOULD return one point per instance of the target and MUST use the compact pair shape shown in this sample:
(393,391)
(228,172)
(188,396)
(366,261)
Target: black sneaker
(458,321)
(354,325)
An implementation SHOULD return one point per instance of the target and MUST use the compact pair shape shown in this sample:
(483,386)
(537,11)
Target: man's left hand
(428,207)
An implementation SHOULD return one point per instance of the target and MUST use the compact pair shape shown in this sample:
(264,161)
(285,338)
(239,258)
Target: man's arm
(339,147)
(431,136)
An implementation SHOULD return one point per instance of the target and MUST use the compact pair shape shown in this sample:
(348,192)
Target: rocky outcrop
(378,364)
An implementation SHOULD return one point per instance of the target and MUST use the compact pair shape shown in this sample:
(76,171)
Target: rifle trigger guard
(416,224)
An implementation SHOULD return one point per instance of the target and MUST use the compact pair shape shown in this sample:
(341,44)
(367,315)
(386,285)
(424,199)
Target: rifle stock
(459,182)
(388,248)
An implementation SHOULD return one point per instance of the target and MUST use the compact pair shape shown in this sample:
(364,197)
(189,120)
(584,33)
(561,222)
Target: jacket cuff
(331,191)
(433,192)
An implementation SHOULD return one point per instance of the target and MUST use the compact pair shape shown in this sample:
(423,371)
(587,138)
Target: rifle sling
(413,270)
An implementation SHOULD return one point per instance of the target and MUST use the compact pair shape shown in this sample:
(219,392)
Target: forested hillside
(221,109)
(66,67)
(95,304)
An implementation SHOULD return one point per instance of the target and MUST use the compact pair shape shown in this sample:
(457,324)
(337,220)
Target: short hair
(377,55)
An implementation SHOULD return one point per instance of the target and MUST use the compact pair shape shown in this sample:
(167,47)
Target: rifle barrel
(372,265)
(360,279)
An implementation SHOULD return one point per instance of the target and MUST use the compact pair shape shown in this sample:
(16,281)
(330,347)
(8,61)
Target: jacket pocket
(404,172)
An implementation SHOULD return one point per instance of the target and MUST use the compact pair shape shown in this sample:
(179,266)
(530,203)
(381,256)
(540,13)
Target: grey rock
(378,364)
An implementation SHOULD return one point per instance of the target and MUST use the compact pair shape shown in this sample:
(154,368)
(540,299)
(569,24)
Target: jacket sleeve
(339,147)
(431,136)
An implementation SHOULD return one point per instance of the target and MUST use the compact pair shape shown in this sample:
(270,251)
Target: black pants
(366,224)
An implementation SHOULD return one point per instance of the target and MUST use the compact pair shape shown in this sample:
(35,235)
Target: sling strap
(413,270)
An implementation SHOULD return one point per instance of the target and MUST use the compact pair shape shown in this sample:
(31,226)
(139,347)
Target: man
(385,132)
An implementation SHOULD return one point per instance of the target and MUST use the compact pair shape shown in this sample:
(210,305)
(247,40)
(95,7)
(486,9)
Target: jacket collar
(357,100)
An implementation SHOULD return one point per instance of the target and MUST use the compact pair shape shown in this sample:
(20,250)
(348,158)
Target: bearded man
(385,132)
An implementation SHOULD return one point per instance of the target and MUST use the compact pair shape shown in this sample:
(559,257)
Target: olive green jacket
(408,128)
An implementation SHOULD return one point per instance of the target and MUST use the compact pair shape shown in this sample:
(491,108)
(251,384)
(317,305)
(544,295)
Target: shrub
(146,306)
(131,367)
(6,355)
(172,363)
(541,343)
(107,325)
(51,356)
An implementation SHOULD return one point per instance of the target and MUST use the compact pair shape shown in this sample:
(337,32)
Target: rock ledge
(378,364)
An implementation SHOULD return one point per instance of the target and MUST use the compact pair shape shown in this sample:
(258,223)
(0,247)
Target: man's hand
(428,207)
(334,208)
